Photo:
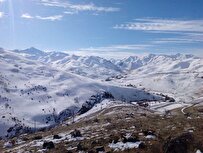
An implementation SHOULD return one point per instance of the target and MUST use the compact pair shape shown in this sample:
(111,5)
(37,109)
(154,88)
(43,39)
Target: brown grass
(104,128)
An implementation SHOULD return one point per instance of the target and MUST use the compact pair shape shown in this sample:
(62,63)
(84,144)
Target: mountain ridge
(27,83)
(57,83)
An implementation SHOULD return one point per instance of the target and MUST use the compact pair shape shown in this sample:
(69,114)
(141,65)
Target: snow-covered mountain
(91,66)
(97,67)
(161,63)
(84,64)
(39,89)
(177,75)
(171,74)
(36,91)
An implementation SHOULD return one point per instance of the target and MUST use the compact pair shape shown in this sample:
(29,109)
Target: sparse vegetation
(100,129)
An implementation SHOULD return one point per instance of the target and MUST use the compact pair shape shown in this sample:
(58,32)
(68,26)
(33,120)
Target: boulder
(76,133)
(79,147)
(130,139)
(179,144)
(38,137)
(99,149)
(142,145)
(48,145)
(56,136)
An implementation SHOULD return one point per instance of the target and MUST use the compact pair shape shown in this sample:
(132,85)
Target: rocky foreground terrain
(119,128)
(55,102)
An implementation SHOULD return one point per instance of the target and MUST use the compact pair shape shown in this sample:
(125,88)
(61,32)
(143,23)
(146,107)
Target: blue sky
(103,26)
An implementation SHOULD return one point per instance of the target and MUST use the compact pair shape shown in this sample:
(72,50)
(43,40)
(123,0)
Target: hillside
(120,128)
(46,91)
(35,94)
(177,75)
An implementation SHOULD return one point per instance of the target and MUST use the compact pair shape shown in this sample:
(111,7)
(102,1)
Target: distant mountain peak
(33,50)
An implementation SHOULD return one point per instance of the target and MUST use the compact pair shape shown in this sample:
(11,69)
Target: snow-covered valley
(40,89)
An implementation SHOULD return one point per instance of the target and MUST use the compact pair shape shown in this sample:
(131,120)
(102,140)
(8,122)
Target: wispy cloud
(27,16)
(123,50)
(1,14)
(113,51)
(78,7)
(70,12)
(117,48)
(107,55)
(184,31)
(92,7)
(50,18)
(67,8)
(163,25)
(178,40)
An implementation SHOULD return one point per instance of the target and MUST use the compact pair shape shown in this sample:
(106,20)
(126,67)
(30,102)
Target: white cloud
(125,50)
(92,7)
(198,37)
(27,16)
(2,1)
(50,18)
(107,55)
(1,14)
(185,31)
(117,48)
(163,25)
(78,7)
(178,40)
(70,12)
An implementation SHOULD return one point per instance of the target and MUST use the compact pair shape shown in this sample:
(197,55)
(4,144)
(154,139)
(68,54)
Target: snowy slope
(160,63)
(34,93)
(178,75)
(91,66)
(36,86)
